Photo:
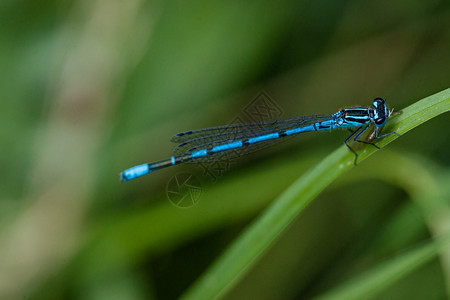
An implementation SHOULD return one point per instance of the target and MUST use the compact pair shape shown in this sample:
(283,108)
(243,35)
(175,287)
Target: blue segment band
(199,153)
(263,138)
(299,130)
(135,172)
(227,146)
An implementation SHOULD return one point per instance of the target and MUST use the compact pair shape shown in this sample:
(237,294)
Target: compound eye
(378,103)
(380,121)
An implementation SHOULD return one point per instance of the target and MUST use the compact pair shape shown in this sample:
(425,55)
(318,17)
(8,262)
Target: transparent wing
(207,138)
(269,126)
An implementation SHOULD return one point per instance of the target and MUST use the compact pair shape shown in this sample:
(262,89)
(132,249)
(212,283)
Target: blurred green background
(90,88)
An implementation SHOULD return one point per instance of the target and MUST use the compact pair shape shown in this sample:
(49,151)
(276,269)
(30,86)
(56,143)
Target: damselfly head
(381,113)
